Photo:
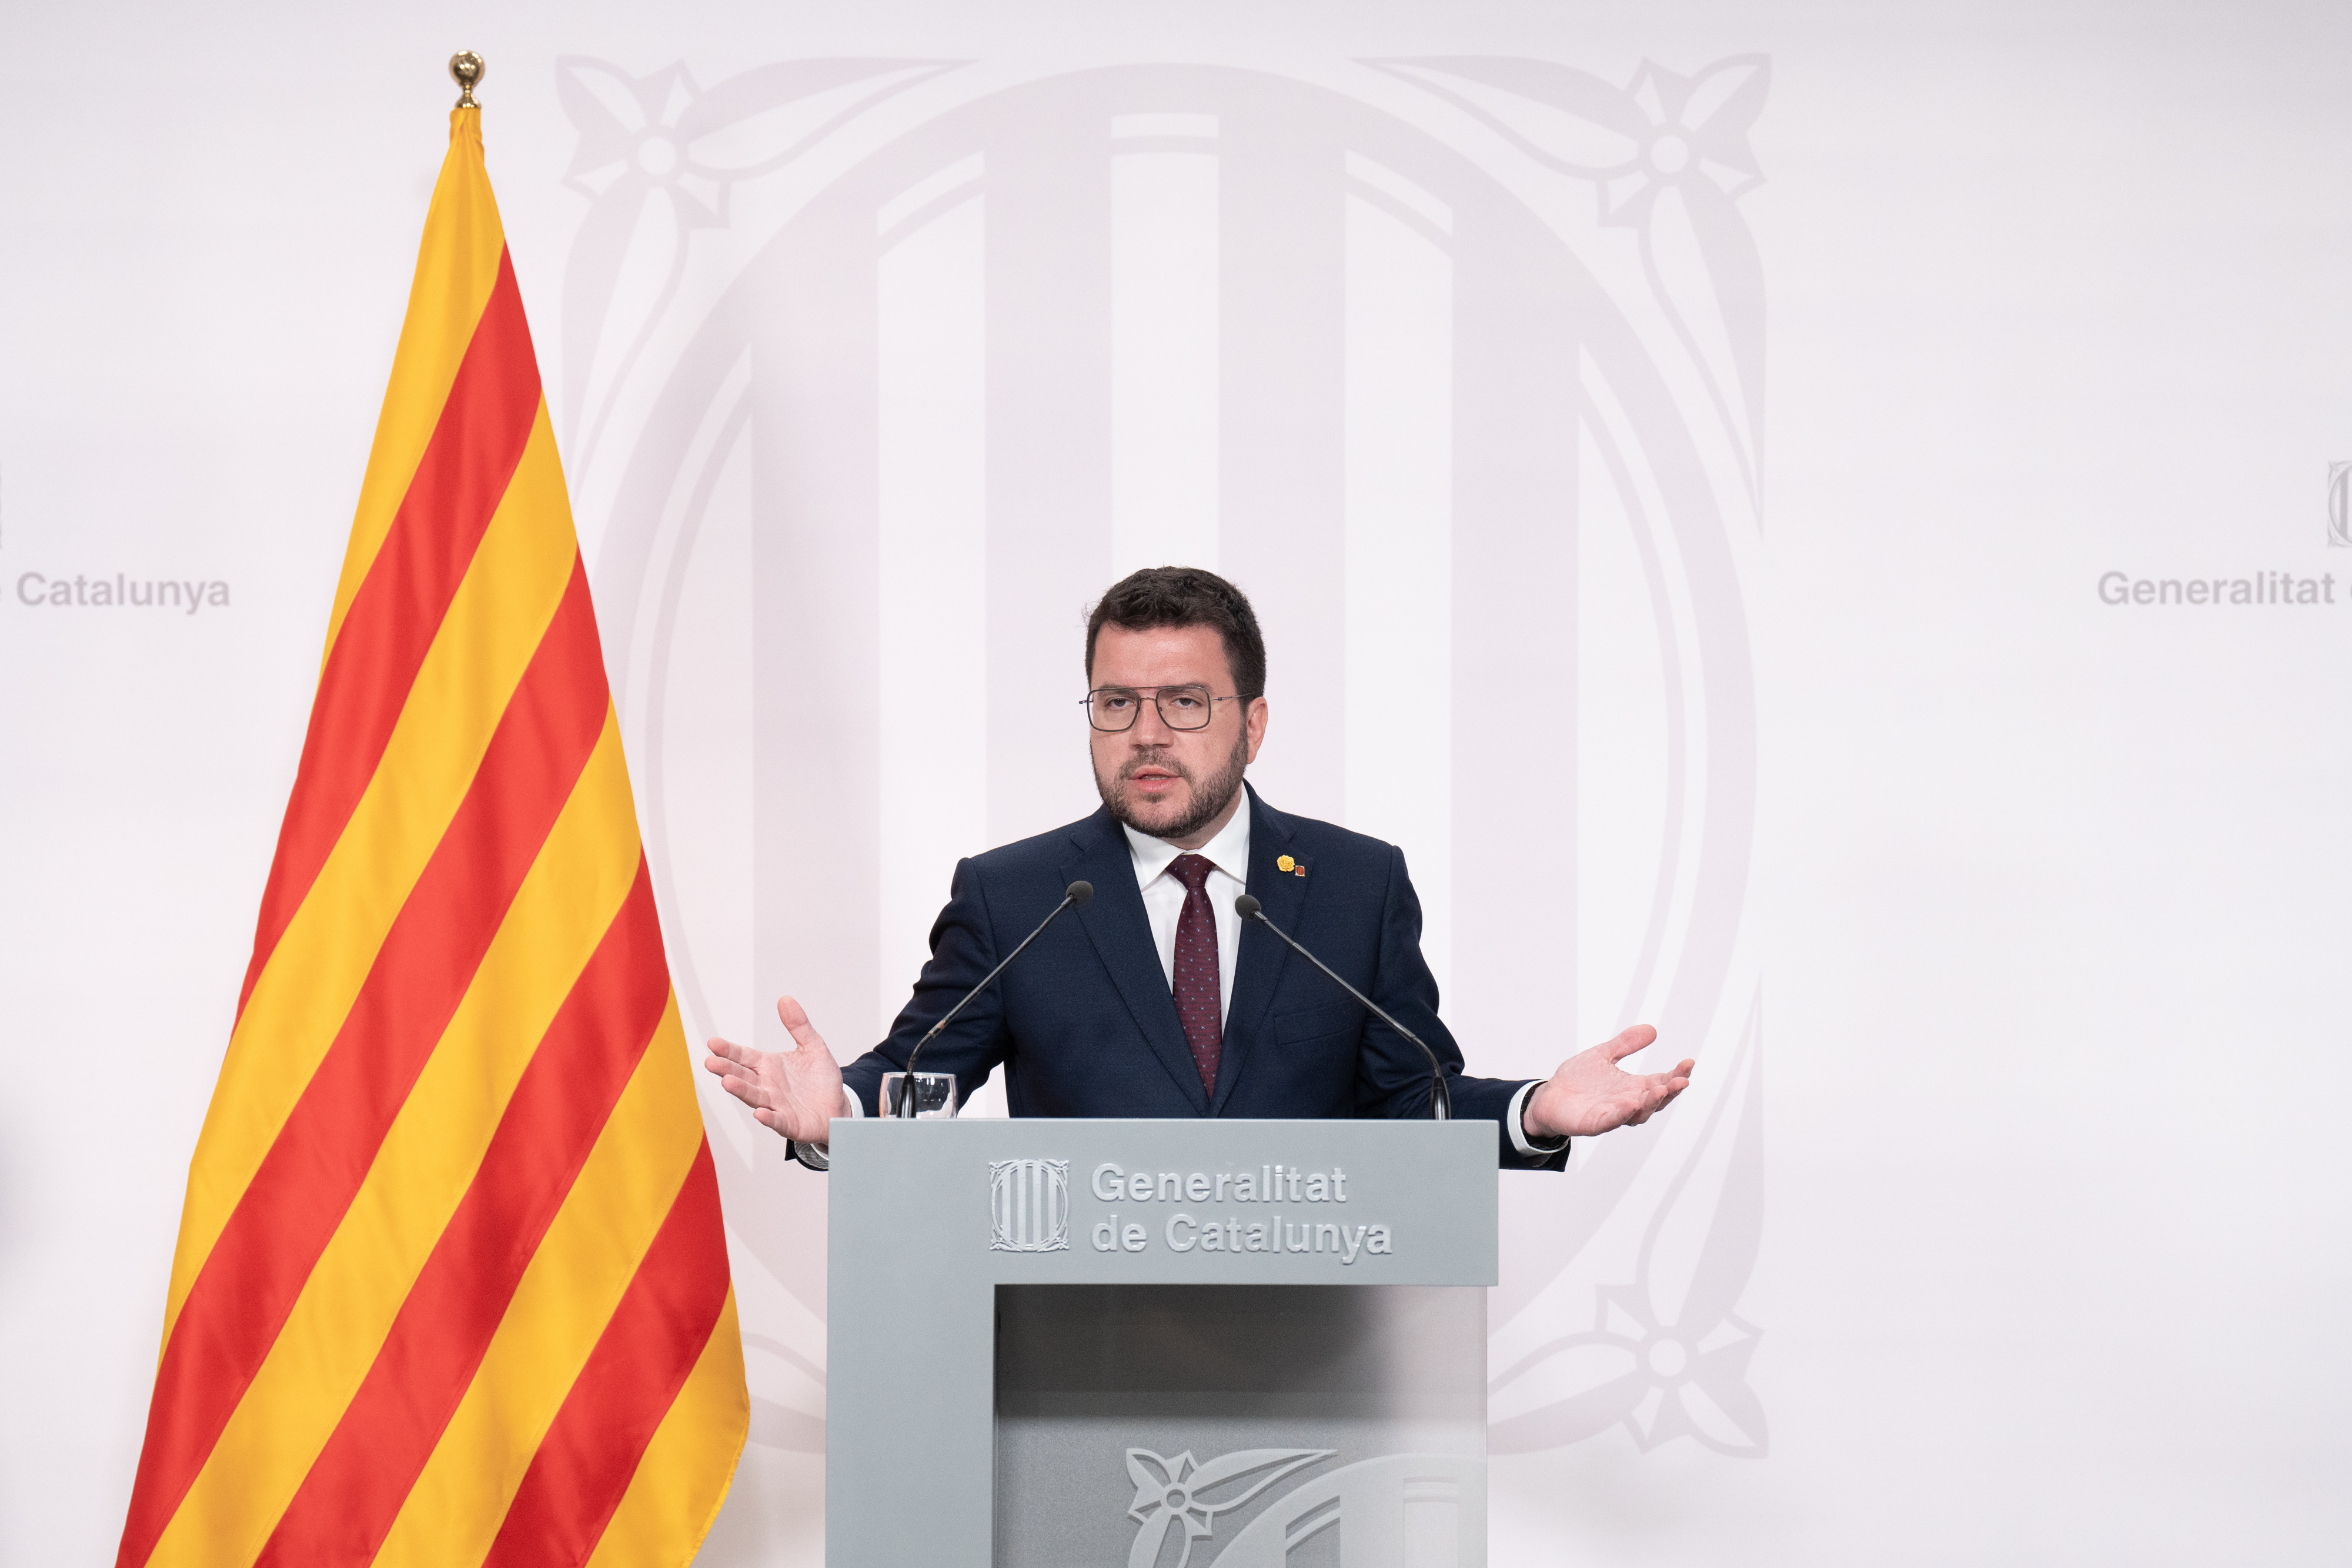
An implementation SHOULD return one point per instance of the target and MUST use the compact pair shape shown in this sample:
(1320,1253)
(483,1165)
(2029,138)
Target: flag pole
(467,68)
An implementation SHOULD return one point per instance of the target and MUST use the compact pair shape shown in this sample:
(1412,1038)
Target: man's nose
(1150,730)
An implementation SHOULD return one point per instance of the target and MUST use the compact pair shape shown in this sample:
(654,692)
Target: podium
(1218,1344)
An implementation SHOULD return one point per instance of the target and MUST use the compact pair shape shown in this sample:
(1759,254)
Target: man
(1157,1000)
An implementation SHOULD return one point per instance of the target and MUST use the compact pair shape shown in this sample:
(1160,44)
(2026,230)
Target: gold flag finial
(467,66)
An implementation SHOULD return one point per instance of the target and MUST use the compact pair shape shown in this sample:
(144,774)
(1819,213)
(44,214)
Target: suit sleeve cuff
(1514,1119)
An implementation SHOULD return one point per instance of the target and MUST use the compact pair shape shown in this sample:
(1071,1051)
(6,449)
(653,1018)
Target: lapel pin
(1285,863)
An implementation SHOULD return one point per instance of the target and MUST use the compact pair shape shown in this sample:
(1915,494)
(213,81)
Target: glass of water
(935,1095)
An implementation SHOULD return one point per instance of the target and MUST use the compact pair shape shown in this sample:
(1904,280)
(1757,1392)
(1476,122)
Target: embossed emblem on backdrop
(779,275)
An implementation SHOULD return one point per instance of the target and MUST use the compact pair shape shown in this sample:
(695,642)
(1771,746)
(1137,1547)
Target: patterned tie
(1198,1004)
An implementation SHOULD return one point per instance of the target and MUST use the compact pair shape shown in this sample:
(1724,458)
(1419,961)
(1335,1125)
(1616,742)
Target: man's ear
(1253,726)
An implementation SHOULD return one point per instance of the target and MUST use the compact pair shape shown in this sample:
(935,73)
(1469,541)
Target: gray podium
(1218,1344)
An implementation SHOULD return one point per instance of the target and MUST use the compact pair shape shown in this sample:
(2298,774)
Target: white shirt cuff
(819,1157)
(1515,1120)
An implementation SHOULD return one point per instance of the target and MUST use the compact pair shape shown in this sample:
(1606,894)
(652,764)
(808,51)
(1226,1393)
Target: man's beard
(1208,798)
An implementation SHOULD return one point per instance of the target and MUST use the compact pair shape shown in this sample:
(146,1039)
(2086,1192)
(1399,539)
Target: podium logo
(1029,1206)
(1182,1498)
(1398,1508)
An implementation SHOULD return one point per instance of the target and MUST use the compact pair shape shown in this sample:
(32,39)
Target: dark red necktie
(1198,1004)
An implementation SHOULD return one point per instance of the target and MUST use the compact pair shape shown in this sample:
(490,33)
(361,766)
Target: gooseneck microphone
(1440,1099)
(1077,896)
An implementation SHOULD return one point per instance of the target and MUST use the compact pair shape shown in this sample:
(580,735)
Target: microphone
(1077,896)
(1440,1099)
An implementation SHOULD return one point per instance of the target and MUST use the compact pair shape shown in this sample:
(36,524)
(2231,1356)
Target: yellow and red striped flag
(451,1287)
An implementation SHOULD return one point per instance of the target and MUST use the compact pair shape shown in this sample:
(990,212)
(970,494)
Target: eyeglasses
(1115,708)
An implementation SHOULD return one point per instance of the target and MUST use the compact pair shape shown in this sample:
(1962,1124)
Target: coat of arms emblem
(1029,1206)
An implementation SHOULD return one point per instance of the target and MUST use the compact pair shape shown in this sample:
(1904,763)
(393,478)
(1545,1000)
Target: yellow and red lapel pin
(1284,863)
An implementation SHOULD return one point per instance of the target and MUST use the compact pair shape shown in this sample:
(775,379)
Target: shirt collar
(1228,851)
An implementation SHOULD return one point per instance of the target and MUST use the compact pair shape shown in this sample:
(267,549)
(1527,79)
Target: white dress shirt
(1163,895)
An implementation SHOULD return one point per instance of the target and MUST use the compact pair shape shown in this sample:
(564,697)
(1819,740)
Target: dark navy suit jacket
(1085,1023)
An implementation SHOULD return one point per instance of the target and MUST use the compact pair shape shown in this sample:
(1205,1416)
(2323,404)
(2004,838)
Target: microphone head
(1079,894)
(1246,907)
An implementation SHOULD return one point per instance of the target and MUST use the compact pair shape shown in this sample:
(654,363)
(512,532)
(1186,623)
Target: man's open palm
(796,1091)
(1591,1093)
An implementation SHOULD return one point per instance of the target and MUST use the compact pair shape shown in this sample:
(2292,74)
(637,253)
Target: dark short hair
(1185,596)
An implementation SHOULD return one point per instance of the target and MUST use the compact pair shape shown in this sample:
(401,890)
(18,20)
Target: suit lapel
(1259,964)
(1121,933)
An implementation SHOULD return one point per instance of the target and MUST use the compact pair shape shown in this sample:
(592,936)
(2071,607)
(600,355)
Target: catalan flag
(451,1287)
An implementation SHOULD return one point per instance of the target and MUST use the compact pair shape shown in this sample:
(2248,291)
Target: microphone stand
(1077,896)
(1441,1098)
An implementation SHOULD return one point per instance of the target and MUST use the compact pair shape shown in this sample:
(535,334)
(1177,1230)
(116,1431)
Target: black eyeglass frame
(1154,693)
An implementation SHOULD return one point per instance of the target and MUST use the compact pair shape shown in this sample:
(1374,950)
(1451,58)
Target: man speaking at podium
(1156,999)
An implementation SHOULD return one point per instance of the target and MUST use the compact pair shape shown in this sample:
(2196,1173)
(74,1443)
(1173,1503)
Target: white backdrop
(1675,450)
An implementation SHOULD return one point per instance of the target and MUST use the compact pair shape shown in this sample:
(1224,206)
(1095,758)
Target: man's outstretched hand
(1591,1093)
(796,1091)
